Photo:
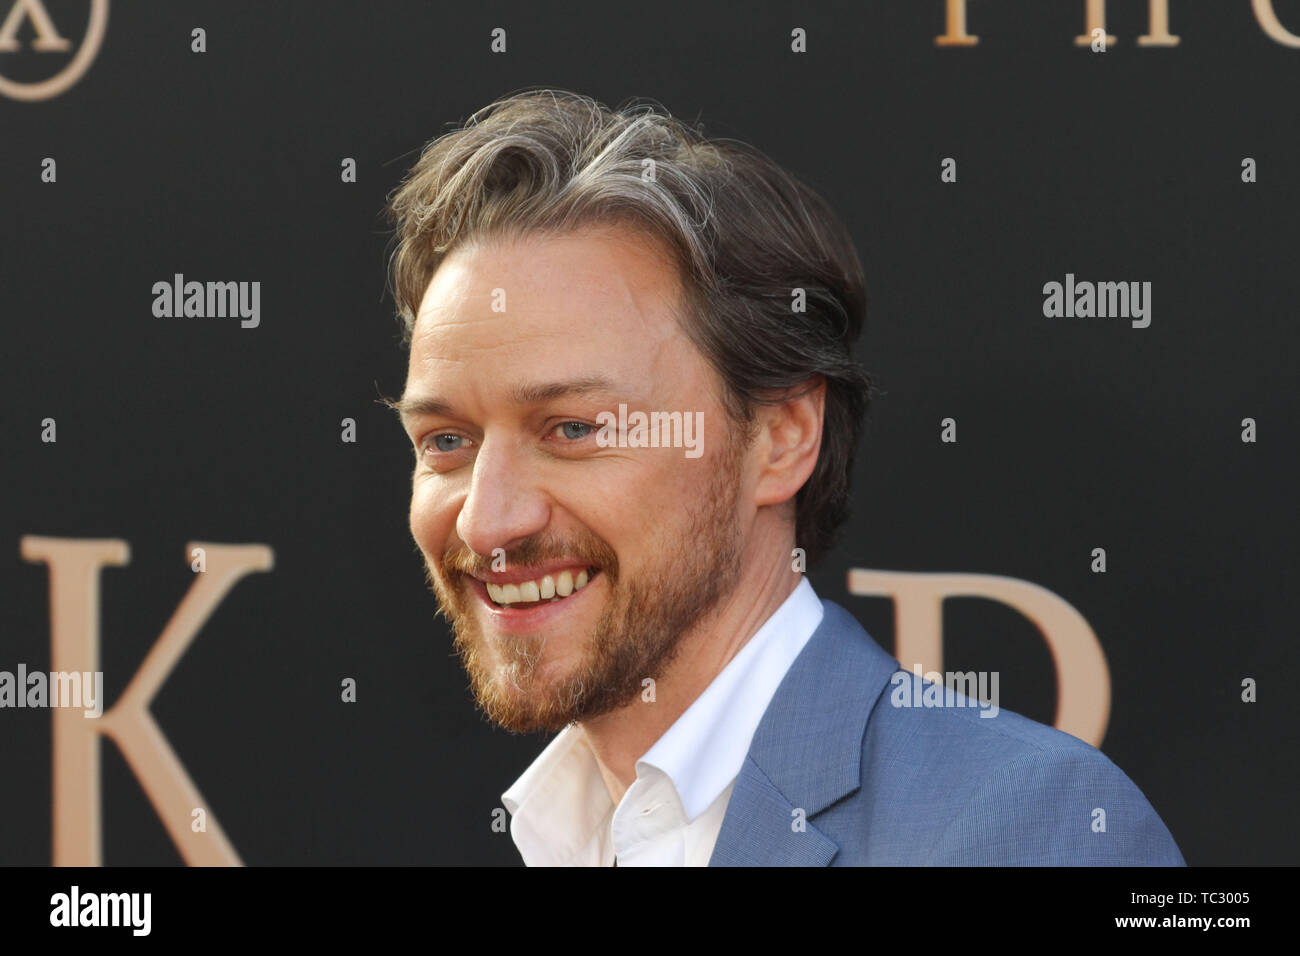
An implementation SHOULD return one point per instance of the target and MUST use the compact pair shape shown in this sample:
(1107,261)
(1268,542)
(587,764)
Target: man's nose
(503,505)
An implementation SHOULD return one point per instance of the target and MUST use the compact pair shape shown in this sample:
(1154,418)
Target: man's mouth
(547,589)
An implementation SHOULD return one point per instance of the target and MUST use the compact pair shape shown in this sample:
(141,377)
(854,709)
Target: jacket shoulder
(955,783)
(1068,806)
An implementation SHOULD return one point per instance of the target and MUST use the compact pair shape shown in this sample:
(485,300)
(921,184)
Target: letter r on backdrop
(1082,676)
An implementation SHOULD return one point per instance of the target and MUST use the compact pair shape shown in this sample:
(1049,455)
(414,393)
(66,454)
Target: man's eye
(447,442)
(574,431)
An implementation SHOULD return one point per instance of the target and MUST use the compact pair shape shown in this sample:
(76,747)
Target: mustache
(536,549)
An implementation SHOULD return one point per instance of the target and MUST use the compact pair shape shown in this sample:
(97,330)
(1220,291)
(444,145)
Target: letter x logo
(49,40)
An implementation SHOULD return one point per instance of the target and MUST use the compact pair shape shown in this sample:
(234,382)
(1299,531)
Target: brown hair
(744,233)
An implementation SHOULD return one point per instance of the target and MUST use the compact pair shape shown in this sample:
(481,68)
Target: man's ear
(790,435)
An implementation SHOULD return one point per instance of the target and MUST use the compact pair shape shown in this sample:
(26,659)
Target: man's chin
(539,708)
(516,684)
(525,720)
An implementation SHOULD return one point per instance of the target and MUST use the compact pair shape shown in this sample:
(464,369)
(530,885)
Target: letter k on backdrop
(74,567)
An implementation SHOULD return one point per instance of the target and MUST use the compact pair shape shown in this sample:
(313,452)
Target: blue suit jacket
(880,784)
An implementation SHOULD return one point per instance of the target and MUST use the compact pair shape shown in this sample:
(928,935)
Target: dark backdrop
(1073,433)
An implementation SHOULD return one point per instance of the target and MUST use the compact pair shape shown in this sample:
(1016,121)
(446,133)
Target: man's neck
(621,737)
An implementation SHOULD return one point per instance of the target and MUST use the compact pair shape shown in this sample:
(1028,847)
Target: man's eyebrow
(412,407)
(532,393)
(538,392)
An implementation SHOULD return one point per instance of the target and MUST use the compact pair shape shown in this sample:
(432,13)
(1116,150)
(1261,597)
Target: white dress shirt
(561,813)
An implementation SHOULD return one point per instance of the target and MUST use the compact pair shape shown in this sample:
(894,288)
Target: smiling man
(567,274)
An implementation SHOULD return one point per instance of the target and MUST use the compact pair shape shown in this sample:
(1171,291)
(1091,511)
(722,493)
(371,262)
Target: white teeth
(547,588)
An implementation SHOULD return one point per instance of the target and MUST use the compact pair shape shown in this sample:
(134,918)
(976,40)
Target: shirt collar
(560,804)
(704,750)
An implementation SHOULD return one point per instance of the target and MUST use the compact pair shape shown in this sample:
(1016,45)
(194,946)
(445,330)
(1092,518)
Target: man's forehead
(534,283)
(597,303)
(558,308)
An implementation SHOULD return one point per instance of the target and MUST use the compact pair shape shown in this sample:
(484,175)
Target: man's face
(518,346)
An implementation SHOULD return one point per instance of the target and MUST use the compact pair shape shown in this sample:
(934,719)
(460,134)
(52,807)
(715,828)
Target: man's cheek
(426,519)
(419,531)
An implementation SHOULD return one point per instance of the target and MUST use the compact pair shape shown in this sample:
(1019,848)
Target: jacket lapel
(807,751)
(762,828)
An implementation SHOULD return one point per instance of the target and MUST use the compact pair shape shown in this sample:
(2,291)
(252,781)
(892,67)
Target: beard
(638,632)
